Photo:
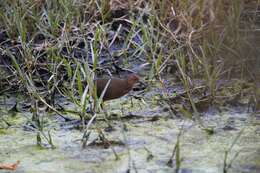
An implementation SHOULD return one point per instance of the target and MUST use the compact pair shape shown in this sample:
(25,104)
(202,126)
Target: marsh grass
(37,120)
(176,154)
(227,160)
(51,48)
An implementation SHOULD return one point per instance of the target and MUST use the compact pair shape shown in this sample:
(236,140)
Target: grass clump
(57,48)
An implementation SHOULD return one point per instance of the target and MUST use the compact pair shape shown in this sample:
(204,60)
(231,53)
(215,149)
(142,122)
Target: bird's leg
(106,116)
(104,111)
(132,103)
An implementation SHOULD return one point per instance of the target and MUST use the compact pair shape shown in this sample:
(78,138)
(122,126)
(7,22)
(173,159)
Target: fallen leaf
(9,166)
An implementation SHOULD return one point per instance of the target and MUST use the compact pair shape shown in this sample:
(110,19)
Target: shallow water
(148,144)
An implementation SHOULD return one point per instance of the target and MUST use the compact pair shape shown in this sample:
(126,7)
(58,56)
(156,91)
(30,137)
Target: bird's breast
(116,88)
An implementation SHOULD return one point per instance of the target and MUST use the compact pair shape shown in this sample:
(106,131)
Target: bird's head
(132,79)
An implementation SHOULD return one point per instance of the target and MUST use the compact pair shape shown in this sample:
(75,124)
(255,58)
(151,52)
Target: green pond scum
(130,86)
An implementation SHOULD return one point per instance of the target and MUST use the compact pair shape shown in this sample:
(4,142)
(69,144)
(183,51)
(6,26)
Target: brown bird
(117,87)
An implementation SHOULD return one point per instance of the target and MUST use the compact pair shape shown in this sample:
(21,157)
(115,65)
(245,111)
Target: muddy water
(148,145)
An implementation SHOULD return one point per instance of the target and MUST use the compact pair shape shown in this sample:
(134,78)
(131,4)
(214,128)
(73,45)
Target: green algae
(199,151)
(3,132)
